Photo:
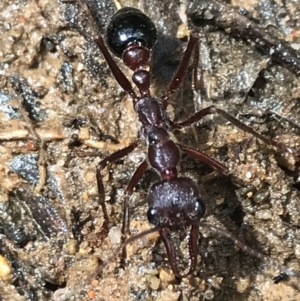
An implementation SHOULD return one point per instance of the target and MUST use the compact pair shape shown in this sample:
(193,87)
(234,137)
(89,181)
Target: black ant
(174,201)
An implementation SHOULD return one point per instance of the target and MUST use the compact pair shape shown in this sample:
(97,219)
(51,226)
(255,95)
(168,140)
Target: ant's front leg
(102,164)
(280,147)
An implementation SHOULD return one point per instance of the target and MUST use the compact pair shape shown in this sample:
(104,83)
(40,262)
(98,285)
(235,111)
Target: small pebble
(264,214)
(83,134)
(90,176)
(242,285)
(297,251)
(91,294)
(71,246)
(166,275)
(5,269)
(95,283)
(248,175)
(261,196)
(219,201)
(115,235)
(209,295)
(168,296)
(154,282)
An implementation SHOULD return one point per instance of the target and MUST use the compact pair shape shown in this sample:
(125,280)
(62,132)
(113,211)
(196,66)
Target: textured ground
(55,86)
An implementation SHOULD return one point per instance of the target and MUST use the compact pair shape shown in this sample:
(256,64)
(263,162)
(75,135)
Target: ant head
(175,204)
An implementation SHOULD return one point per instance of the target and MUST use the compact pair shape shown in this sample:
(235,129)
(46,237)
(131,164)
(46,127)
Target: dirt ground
(61,112)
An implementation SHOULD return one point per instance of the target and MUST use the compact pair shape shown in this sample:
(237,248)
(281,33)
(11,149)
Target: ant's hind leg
(102,164)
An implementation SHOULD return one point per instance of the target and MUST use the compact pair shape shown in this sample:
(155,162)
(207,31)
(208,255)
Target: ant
(174,201)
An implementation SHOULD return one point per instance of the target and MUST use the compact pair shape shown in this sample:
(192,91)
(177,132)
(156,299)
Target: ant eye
(200,208)
(152,216)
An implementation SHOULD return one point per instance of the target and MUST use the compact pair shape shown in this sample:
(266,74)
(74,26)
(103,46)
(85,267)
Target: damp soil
(61,112)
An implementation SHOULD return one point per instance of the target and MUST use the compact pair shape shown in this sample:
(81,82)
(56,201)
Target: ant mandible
(174,201)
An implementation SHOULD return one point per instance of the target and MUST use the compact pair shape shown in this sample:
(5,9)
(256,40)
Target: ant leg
(133,181)
(179,76)
(116,71)
(196,154)
(213,110)
(102,164)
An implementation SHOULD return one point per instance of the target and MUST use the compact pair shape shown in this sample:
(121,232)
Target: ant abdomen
(130,26)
